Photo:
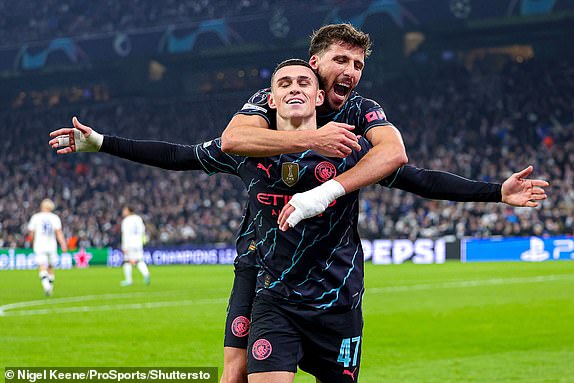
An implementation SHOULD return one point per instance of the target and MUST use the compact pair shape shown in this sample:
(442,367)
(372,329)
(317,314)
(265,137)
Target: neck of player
(296,123)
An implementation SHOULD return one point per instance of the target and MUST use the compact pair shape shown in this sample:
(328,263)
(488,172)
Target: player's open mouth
(341,89)
(295,101)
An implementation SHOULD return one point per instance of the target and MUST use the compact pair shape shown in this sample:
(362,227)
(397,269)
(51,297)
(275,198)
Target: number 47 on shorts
(345,351)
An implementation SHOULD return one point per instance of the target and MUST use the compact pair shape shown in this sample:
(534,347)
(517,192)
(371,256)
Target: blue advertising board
(527,249)
(187,255)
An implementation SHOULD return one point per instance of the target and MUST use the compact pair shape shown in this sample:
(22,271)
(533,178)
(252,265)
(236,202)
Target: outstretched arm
(82,138)
(165,155)
(79,138)
(436,184)
(517,190)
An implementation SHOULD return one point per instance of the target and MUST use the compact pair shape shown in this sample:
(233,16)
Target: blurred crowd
(89,190)
(480,123)
(26,21)
(23,21)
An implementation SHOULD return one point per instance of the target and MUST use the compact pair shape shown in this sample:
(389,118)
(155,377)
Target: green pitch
(482,322)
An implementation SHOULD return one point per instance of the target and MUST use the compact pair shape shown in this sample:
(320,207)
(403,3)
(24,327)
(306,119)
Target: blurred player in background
(45,229)
(133,238)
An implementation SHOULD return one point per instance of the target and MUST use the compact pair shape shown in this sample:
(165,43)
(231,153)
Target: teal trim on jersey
(336,291)
(271,249)
(218,170)
(251,184)
(390,185)
(300,252)
(329,260)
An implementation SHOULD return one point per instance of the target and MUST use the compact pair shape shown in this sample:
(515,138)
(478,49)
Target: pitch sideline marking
(81,298)
(128,306)
(472,283)
(160,304)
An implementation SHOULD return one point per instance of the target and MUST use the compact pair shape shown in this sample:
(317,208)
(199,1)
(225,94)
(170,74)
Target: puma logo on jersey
(265,169)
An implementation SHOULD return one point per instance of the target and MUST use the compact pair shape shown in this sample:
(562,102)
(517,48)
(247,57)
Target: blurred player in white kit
(133,238)
(45,229)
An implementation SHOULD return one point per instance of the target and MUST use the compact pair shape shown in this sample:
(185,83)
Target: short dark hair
(327,35)
(291,62)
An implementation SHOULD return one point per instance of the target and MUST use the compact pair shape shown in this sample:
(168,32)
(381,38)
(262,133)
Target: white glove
(314,201)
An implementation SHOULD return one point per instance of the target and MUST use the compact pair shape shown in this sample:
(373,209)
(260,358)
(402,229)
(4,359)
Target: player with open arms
(517,190)
(270,182)
(337,52)
(45,229)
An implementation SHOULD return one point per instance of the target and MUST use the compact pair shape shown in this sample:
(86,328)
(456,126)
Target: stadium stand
(478,123)
(32,21)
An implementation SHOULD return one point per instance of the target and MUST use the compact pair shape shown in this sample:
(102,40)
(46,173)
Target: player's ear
(271,101)
(320,98)
(314,62)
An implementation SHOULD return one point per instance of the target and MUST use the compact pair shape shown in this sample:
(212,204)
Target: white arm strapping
(92,143)
(314,201)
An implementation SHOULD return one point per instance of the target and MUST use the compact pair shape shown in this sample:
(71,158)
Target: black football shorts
(324,343)
(238,320)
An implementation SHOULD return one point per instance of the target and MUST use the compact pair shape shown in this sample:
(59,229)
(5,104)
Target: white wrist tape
(314,201)
(63,141)
(92,143)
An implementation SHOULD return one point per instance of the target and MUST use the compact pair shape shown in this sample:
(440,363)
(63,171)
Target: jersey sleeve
(141,228)
(371,115)
(365,147)
(57,223)
(257,106)
(441,185)
(32,223)
(206,156)
(213,160)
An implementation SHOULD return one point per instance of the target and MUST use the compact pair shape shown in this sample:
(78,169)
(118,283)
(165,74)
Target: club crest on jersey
(261,349)
(324,171)
(240,326)
(290,173)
